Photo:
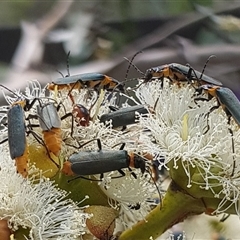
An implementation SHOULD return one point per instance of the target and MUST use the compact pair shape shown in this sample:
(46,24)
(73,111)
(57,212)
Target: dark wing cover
(16,131)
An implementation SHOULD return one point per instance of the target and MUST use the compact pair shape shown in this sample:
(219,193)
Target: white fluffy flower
(133,197)
(188,134)
(125,192)
(36,204)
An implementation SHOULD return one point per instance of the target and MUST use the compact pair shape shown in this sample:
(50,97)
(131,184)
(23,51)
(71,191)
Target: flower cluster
(193,137)
(37,205)
(179,130)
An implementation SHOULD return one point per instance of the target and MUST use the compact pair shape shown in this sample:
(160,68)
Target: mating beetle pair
(179,73)
(175,72)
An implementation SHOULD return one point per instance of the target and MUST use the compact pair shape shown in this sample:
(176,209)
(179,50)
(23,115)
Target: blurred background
(36,36)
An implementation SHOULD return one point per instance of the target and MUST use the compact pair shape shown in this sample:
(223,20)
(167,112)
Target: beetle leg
(99,144)
(66,116)
(231,133)
(122,174)
(40,141)
(132,173)
(85,178)
(122,145)
(3,141)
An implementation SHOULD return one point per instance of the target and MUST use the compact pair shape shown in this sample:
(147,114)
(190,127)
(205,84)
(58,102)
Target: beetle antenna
(68,72)
(211,56)
(131,64)
(60,73)
(67,63)
(95,139)
(121,147)
(122,84)
(233,148)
